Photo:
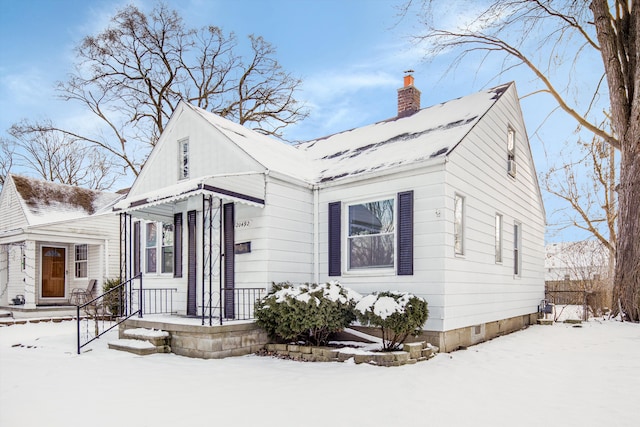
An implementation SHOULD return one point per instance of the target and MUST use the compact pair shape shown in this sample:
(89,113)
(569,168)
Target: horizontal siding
(429,237)
(11,212)
(210,152)
(478,289)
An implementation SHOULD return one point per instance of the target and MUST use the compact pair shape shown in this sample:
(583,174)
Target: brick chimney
(408,97)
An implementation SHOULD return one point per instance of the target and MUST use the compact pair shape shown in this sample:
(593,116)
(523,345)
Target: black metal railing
(102,314)
(233,304)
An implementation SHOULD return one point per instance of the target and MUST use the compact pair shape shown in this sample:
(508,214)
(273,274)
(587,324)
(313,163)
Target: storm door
(53,272)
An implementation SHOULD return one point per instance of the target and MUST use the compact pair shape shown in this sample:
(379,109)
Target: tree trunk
(627,270)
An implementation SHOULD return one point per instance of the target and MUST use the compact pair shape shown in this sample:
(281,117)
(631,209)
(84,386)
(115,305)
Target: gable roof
(271,153)
(430,133)
(46,202)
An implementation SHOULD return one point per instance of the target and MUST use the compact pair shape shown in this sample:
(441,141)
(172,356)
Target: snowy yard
(544,375)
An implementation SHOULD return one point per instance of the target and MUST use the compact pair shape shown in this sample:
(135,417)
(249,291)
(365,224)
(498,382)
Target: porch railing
(105,312)
(231,304)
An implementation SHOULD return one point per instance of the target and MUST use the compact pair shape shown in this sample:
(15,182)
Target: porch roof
(159,203)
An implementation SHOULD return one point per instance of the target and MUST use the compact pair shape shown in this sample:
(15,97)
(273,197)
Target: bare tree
(132,75)
(587,183)
(55,156)
(6,159)
(542,36)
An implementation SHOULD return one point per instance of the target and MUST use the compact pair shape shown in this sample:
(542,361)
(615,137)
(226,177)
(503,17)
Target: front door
(53,268)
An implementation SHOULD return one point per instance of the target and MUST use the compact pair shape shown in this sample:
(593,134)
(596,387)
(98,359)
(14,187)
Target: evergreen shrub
(398,315)
(309,313)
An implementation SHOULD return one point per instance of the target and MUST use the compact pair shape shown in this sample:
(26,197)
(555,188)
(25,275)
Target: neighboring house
(442,202)
(578,270)
(53,239)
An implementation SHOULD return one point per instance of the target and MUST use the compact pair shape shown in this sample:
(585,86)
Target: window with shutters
(379,236)
(371,235)
(159,247)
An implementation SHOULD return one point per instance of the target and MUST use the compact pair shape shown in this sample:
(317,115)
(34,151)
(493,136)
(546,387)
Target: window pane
(371,251)
(151,260)
(151,234)
(167,259)
(371,218)
(167,234)
(81,269)
(371,235)
(498,238)
(81,252)
(458,224)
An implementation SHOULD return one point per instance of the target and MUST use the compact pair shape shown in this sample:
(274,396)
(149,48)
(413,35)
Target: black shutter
(405,233)
(192,308)
(335,257)
(229,260)
(136,248)
(177,245)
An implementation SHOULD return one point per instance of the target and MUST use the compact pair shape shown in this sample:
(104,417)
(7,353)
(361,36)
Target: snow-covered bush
(308,313)
(398,315)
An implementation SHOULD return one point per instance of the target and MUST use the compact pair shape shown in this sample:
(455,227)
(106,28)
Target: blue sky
(350,55)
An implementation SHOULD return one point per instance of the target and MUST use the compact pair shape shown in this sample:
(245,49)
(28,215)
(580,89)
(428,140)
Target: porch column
(29,274)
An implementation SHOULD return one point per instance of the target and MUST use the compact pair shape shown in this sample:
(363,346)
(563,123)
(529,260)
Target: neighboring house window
(517,242)
(150,247)
(371,235)
(167,248)
(183,157)
(81,261)
(458,224)
(511,151)
(498,238)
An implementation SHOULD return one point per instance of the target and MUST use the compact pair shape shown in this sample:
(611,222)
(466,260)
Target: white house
(53,239)
(442,202)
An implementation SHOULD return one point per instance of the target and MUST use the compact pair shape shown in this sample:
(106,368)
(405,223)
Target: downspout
(316,228)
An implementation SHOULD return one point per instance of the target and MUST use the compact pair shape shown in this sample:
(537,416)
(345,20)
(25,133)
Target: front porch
(188,337)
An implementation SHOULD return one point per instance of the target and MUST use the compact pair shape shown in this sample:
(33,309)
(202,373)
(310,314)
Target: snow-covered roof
(431,132)
(273,154)
(47,202)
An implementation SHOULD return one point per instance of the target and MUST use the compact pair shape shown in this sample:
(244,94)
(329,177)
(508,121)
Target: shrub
(113,301)
(398,315)
(307,313)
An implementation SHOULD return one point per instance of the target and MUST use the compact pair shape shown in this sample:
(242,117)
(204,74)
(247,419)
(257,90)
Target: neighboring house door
(53,268)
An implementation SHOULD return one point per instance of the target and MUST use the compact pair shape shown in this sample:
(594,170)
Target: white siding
(478,289)
(429,238)
(210,152)
(11,212)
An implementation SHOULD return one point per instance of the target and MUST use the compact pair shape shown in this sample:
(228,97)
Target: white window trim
(158,247)
(499,238)
(517,247)
(368,271)
(462,225)
(181,155)
(76,262)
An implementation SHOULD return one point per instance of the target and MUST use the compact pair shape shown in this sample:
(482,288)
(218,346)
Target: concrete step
(141,348)
(142,341)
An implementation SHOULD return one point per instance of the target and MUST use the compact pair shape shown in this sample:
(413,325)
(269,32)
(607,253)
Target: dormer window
(183,156)
(511,151)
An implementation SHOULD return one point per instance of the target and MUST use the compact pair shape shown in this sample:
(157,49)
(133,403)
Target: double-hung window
(81,258)
(498,236)
(371,235)
(162,246)
(183,157)
(517,244)
(458,224)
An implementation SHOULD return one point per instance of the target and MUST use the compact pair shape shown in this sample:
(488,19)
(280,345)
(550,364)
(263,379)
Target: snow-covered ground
(544,375)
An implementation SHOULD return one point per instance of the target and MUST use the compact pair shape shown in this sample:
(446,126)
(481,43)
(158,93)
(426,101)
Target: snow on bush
(308,313)
(398,315)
